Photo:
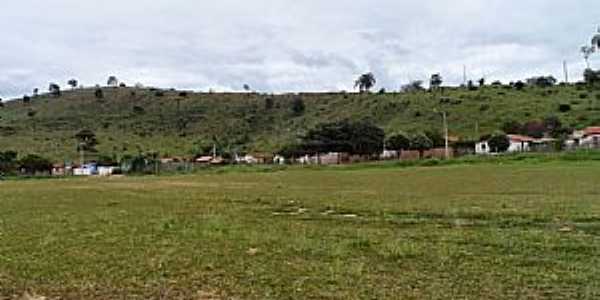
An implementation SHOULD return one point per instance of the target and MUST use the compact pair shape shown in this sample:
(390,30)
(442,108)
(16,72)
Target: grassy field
(129,120)
(483,231)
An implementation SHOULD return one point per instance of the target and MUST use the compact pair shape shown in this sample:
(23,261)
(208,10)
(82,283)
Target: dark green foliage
(73,83)
(435,81)
(54,89)
(436,137)
(98,93)
(361,138)
(138,110)
(591,77)
(563,108)
(86,140)
(542,81)
(413,86)
(365,82)
(519,85)
(269,102)
(298,106)
(398,142)
(421,142)
(26,99)
(499,142)
(33,164)
(8,162)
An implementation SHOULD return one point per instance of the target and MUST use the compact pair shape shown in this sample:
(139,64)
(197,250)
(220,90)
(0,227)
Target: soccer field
(484,231)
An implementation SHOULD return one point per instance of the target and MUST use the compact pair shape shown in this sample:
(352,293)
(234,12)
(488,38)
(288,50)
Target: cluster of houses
(588,138)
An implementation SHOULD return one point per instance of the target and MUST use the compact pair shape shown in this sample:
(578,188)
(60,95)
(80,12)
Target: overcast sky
(287,45)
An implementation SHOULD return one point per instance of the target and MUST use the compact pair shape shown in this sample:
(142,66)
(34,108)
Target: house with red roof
(586,138)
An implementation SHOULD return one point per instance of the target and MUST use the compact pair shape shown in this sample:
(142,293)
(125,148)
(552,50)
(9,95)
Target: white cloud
(287,45)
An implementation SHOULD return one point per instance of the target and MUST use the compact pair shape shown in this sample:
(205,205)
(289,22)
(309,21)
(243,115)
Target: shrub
(583,96)
(33,164)
(298,106)
(499,142)
(563,108)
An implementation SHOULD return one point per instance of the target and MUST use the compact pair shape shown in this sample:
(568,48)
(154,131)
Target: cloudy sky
(287,45)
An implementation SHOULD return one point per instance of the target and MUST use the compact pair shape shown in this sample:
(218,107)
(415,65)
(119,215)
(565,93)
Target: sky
(288,45)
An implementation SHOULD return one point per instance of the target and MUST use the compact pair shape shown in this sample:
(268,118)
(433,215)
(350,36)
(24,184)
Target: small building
(106,170)
(518,143)
(590,138)
(85,170)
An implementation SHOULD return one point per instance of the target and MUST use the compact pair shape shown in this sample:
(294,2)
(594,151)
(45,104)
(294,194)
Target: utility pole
(446,152)
(566,71)
(464,75)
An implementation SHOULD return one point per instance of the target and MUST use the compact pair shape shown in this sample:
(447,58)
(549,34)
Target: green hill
(128,120)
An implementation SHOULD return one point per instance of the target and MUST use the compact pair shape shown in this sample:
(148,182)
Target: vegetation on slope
(177,123)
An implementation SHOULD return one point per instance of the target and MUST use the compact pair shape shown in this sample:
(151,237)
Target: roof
(520,138)
(591,131)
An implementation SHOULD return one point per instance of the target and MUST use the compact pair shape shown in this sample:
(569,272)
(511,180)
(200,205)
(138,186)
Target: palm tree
(587,51)
(365,82)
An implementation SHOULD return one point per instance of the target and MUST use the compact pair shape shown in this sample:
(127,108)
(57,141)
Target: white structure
(106,171)
(279,160)
(587,138)
(85,170)
(332,158)
(518,143)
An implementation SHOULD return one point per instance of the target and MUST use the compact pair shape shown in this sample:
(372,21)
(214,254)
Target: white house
(518,143)
(85,170)
(587,138)
(106,171)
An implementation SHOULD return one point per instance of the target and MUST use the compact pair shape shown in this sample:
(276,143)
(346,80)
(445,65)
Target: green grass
(483,231)
(245,120)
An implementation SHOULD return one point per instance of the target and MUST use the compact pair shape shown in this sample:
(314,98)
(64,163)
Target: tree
(591,77)
(86,140)
(1,103)
(98,93)
(587,51)
(398,142)
(33,164)
(247,88)
(421,143)
(365,82)
(35,92)
(112,81)
(26,99)
(499,142)
(269,103)
(54,89)
(298,106)
(435,81)
(361,138)
(519,85)
(481,82)
(8,162)
(413,86)
(73,83)
(542,81)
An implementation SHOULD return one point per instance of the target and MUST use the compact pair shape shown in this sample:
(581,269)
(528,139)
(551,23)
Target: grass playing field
(485,231)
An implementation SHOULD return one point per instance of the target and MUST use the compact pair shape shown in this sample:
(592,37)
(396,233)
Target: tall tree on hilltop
(73,83)
(365,82)
(112,81)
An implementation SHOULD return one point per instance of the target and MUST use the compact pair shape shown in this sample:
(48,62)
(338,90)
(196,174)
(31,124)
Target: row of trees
(30,164)
(357,138)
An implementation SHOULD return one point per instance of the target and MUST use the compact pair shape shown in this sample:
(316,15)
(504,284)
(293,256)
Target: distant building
(518,143)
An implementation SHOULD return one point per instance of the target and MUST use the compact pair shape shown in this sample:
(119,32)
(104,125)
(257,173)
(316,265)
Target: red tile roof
(520,138)
(591,131)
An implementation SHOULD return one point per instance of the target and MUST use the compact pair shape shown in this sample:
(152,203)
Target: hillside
(128,120)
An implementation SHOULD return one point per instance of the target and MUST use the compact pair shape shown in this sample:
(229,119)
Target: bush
(583,96)
(499,142)
(563,108)
(33,164)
